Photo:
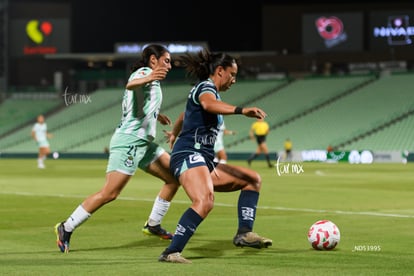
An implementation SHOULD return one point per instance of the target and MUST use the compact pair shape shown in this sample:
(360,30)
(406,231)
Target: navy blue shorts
(182,161)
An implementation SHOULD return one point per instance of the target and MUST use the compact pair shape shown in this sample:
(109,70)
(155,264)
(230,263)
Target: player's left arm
(210,104)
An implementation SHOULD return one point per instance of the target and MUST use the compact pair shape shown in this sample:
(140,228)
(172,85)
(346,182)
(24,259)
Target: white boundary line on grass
(307,210)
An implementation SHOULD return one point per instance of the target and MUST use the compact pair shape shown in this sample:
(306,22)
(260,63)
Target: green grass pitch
(373,206)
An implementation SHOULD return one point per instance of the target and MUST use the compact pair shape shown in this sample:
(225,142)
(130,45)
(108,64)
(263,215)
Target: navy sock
(186,227)
(247,210)
(253,156)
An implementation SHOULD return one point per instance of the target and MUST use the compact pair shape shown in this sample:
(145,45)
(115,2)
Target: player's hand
(169,138)
(159,73)
(164,119)
(254,112)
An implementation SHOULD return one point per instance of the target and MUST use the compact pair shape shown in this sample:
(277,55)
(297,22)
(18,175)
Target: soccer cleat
(251,239)
(63,237)
(156,230)
(173,258)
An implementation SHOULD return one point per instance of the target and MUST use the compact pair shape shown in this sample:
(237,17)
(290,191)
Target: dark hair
(151,49)
(203,64)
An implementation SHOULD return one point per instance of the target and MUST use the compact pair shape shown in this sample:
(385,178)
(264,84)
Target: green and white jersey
(40,131)
(140,107)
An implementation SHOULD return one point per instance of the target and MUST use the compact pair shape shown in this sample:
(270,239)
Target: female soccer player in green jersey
(132,144)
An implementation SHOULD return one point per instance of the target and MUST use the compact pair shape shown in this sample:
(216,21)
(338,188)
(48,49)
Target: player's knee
(203,206)
(108,197)
(256,182)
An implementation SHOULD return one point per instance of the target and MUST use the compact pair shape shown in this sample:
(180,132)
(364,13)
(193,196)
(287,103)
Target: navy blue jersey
(200,128)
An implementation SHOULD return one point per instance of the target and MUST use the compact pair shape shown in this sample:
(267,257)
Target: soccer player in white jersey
(131,145)
(41,136)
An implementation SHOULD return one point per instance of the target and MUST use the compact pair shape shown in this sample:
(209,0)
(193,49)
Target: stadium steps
(395,131)
(404,121)
(317,104)
(398,136)
(17,113)
(305,113)
(67,117)
(80,126)
(373,105)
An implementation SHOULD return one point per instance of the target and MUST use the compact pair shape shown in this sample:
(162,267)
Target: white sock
(159,209)
(76,218)
(40,161)
(223,161)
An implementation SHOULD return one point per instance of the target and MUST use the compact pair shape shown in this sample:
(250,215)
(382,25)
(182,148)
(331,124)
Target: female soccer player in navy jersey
(192,157)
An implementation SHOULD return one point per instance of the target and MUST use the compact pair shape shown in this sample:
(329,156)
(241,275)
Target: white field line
(279,208)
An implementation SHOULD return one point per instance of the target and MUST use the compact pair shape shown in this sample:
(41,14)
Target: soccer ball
(324,235)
